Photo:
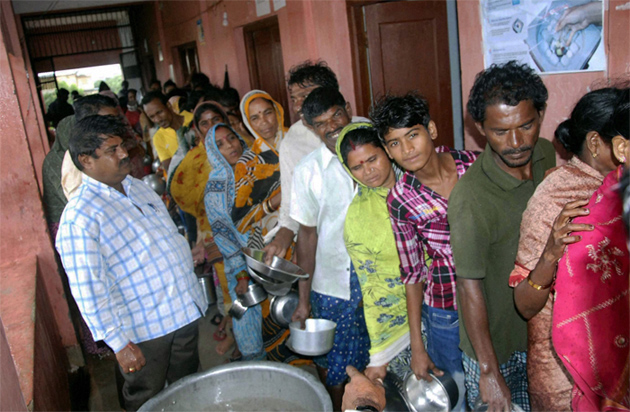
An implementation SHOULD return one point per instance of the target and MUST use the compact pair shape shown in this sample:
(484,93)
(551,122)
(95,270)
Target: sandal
(219,335)
(216,320)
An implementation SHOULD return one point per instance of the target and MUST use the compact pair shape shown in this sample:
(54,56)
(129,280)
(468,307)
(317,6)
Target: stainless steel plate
(280,269)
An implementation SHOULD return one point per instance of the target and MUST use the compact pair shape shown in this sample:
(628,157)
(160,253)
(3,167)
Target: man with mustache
(322,192)
(507,103)
(130,271)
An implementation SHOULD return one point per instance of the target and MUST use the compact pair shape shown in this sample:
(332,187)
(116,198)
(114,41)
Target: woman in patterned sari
(591,316)
(240,200)
(587,135)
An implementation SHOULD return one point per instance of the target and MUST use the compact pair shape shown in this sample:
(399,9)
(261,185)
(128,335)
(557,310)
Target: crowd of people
(496,267)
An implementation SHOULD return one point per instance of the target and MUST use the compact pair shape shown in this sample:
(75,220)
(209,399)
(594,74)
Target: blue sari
(219,200)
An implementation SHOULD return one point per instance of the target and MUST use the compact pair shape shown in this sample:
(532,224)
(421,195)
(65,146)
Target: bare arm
(492,386)
(306,249)
(421,363)
(529,300)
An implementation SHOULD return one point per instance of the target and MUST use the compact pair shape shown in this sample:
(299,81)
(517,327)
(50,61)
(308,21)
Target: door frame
(249,44)
(360,67)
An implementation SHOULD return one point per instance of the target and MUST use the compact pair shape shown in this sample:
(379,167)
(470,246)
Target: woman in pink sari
(591,322)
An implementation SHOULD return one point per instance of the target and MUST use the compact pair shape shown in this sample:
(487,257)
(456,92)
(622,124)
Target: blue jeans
(442,332)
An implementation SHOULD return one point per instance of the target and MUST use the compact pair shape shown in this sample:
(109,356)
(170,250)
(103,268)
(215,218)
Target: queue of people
(496,267)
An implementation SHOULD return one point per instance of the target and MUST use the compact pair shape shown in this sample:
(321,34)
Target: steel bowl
(281,308)
(441,394)
(244,386)
(315,339)
(146,160)
(254,295)
(273,287)
(280,269)
(237,310)
(155,182)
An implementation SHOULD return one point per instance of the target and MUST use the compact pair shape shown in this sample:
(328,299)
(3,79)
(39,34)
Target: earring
(594,155)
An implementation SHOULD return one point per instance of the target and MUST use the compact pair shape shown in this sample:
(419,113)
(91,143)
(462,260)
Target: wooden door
(264,58)
(408,50)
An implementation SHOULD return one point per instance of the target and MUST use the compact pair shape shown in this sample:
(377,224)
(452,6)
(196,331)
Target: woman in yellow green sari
(371,245)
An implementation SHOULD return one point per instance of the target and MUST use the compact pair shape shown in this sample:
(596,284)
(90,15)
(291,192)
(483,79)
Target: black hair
(89,133)
(152,95)
(204,107)
(199,80)
(508,83)
(397,112)
(621,118)
(592,113)
(358,137)
(61,91)
(169,83)
(155,81)
(102,87)
(319,101)
(91,105)
(124,84)
(309,73)
(134,91)
(181,93)
(229,98)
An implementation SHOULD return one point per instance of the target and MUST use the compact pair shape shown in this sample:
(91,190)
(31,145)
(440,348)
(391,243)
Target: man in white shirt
(322,192)
(298,142)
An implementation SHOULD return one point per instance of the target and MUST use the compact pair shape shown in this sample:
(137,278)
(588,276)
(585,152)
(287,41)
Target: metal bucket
(244,386)
(207,285)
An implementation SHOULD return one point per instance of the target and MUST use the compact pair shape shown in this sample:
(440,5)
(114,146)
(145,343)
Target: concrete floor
(103,392)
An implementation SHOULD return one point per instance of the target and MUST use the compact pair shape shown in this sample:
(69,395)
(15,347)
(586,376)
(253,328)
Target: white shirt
(298,142)
(322,193)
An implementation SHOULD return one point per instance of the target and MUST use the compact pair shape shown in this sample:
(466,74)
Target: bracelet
(537,287)
(265,208)
(271,208)
(242,275)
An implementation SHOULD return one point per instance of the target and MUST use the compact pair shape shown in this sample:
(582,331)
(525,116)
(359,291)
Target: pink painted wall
(564,89)
(309,29)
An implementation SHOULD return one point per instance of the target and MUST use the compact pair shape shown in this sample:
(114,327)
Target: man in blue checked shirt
(130,271)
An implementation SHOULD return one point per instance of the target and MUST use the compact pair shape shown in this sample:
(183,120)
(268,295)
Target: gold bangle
(265,209)
(538,287)
(271,208)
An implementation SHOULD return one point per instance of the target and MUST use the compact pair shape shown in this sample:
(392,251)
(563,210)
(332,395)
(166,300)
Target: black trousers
(169,358)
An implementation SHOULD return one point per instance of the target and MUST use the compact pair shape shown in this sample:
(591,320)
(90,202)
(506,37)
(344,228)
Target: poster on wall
(551,36)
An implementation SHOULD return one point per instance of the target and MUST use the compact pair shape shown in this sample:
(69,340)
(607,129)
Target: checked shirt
(130,271)
(419,220)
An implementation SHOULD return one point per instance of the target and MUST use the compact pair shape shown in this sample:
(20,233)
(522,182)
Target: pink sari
(591,312)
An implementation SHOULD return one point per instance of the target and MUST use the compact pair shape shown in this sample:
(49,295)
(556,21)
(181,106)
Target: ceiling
(40,6)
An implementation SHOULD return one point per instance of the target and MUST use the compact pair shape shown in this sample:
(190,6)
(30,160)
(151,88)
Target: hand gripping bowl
(281,308)
(315,339)
(280,269)
(441,394)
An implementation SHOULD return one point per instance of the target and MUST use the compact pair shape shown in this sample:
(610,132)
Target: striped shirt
(419,220)
(130,271)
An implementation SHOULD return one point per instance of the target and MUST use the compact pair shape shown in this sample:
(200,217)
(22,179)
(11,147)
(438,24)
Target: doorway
(188,60)
(403,46)
(264,59)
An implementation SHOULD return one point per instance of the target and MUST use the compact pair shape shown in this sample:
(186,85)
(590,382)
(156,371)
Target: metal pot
(394,394)
(280,269)
(281,308)
(441,394)
(315,339)
(244,386)
(156,164)
(207,285)
(254,295)
(155,182)
(237,310)
(273,287)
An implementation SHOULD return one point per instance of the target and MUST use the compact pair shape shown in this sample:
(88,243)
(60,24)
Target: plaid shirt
(419,220)
(130,271)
